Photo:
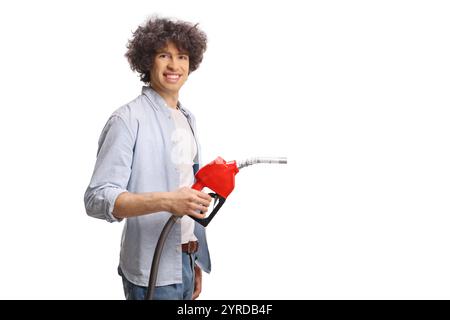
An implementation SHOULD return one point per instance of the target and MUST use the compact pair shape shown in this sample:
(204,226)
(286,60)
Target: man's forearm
(130,204)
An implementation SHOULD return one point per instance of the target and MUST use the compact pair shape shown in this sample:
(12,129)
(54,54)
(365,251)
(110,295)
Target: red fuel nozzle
(218,176)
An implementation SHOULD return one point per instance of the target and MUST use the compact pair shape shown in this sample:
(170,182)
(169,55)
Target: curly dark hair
(154,35)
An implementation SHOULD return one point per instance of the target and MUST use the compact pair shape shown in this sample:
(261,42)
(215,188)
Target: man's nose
(173,64)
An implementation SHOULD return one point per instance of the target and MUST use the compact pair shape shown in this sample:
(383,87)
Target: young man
(147,157)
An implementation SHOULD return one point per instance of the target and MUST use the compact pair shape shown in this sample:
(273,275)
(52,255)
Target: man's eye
(163,55)
(184,57)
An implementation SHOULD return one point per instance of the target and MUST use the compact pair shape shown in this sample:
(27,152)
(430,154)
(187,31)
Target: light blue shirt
(134,154)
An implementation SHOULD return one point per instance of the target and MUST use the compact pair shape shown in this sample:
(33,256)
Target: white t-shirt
(184,150)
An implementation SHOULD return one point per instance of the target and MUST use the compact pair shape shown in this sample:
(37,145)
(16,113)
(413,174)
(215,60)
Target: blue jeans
(176,291)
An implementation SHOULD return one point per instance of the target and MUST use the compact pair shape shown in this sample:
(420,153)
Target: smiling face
(170,70)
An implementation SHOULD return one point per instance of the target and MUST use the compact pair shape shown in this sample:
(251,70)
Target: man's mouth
(172,77)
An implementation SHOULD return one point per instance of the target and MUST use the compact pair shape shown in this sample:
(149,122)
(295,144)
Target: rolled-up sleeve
(112,169)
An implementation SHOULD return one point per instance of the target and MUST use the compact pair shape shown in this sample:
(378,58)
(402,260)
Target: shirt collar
(159,102)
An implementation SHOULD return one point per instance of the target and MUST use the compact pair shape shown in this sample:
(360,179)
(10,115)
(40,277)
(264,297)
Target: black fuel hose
(157,255)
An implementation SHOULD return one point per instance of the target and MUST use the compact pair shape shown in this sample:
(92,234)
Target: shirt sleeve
(112,169)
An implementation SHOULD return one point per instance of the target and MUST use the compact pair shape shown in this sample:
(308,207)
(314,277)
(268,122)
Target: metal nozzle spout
(251,161)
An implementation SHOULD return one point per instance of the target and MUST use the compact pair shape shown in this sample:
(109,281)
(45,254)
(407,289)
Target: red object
(218,176)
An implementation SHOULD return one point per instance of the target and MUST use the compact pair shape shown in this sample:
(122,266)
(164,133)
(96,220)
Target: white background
(354,93)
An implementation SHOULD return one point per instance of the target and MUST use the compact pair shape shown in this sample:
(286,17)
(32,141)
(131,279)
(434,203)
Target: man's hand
(197,283)
(187,201)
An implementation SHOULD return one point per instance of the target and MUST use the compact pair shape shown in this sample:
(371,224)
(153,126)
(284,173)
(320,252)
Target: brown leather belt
(190,247)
